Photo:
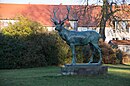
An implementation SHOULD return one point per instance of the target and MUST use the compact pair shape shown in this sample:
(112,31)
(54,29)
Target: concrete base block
(82,69)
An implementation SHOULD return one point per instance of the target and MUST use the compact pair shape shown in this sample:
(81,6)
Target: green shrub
(28,44)
(22,28)
(110,54)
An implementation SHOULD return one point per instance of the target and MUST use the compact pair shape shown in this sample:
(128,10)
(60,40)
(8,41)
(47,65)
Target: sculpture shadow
(123,67)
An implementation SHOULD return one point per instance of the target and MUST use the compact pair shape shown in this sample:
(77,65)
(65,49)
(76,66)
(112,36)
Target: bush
(110,55)
(28,44)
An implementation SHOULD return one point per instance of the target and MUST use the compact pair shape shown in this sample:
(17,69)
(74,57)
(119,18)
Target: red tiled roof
(41,13)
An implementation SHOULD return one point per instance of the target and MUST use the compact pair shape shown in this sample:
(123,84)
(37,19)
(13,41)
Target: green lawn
(118,75)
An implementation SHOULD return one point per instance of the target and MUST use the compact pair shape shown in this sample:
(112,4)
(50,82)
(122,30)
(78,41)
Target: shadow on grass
(126,65)
(122,67)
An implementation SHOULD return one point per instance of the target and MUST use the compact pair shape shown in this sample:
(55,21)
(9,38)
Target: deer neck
(63,33)
(62,30)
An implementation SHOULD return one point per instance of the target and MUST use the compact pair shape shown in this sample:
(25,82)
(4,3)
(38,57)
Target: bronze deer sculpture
(75,38)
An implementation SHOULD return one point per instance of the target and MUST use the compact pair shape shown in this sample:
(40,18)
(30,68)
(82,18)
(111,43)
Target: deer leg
(73,54)
(100,61)
(93,52)
(99,51)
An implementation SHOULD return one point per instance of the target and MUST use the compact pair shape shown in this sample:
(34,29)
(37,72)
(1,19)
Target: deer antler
(55,20)
(67,16)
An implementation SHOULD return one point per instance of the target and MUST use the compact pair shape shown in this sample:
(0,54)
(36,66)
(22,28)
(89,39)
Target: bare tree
(107,13)
(83,14)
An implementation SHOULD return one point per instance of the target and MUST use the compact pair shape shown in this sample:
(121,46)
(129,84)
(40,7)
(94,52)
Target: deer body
(75,38)
(79,38)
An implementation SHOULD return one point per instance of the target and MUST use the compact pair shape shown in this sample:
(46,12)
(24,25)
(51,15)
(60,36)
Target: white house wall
(125,48)
(5,23)
(109,31)
(51,28)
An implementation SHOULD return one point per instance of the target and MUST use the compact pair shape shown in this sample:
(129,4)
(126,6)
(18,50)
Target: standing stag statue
(75,38)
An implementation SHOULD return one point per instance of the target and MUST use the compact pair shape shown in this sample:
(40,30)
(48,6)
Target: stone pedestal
(83,69)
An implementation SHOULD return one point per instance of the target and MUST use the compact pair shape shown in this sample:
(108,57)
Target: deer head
(59,23)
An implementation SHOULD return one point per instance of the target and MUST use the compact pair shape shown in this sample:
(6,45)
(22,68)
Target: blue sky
(64,2)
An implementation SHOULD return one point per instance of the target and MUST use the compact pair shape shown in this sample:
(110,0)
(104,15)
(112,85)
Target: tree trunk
(102,29)
(104,19)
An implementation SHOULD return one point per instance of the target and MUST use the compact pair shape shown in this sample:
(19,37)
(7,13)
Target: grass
(118,75)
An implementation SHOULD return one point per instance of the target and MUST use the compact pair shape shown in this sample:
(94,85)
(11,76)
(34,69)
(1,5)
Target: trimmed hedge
(28,44)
